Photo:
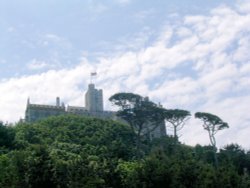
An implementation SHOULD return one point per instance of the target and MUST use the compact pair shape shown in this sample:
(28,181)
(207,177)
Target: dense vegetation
(71,151)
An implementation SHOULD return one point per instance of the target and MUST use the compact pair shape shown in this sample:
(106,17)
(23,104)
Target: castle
(93,108)
(93,101)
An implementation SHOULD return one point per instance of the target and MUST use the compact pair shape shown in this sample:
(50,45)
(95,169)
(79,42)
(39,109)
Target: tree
(66,151)
(177,119)
(7,135)
(141,114)
(212,124)
(233,153)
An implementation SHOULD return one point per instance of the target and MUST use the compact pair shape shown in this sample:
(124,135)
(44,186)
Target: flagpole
(92,74)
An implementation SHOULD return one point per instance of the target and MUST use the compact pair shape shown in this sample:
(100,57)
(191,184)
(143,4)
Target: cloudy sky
(191,55)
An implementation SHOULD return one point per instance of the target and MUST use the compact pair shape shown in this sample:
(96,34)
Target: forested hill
(71,151)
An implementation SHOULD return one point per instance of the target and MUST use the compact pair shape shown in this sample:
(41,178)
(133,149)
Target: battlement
(42,106)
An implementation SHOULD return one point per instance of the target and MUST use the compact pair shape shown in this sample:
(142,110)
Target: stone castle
(93,108)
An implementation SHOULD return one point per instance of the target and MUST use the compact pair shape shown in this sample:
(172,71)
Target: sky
(190,55)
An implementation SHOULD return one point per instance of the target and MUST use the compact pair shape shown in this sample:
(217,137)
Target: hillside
(71,151)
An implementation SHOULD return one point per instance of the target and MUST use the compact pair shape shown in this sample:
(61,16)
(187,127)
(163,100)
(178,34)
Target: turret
(94,99)
(57,101)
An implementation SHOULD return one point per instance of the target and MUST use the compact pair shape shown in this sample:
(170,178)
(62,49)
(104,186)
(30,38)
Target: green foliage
(8,172)
(137,110)
(7,135)
(212,123)
(71,151)
(234,154)
(66,151)
(128,172)
(141,114)
(126,100)
(176,118)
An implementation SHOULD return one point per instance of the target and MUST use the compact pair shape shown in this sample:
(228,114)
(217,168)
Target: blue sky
(59,31)
(184,54)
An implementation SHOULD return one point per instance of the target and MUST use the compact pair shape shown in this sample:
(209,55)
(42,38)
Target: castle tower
(94,99)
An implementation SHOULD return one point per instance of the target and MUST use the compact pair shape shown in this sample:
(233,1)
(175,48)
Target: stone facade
(94,99)
(35,112)
(82,111)
(158,132)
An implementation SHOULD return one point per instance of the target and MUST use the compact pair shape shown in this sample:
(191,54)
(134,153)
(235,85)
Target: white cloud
(183,32)
(245,68)
(51,39)
(43,88)
(243,6)
(199,64)
(35,64)
(242,52)
(129,42)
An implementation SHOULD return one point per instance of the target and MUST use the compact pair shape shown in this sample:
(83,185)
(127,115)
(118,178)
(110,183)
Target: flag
(93,74)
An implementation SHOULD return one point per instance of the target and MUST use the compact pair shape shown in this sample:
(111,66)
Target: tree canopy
(139,112)
(72,151)
(212,124)
(177,119)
